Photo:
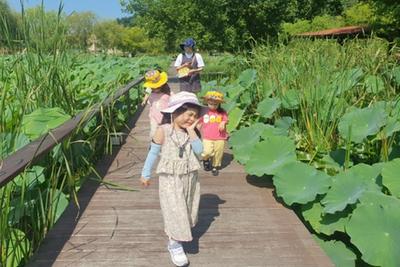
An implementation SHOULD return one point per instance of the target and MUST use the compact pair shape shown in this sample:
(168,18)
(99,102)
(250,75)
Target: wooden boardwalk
(240,221)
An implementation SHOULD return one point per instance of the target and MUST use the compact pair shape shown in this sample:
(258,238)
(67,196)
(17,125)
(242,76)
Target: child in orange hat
(213,129)
(158,93)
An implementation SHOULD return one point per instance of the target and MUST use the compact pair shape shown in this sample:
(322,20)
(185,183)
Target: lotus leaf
(270,130)
(229,105)
(300,183)
(10,143)
(270,155)
(324,223)
(268,106)
(18,247)
(234,118)
(362,123)
(59,203)
(290,99)
(374,84)
(391,176)
(339,253)
(233,91)
(392,126)
(284,123)
(42,120)
(374,230)
(268,86)
(243,140)
(378,199)
(247,78)
(348,186)
(30,177)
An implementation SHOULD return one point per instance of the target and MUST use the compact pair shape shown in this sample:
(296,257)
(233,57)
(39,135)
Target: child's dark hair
(167,116)
(165,89)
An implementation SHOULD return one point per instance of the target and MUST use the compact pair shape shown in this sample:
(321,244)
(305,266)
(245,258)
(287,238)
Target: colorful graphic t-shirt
(210,125)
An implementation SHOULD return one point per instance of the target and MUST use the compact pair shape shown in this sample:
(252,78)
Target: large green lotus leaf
(348,186)
(268,106)
(392,126)
(300,183)
(361,123)
(268,86)
(374,84)
(247,78)
(338,252)
(290,99)
(246,99)
(234,118)
(270,155)
(270,130)
(10,143)
(31,177)
(324,223)
(17,248)
(391,176)
(59,203)
(42,120)
(243,141)
(378,199)
(229,105)
(284,123)
(233,91)
(374,230)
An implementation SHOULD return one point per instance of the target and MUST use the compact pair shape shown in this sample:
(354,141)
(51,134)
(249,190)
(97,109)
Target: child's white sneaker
(177,253)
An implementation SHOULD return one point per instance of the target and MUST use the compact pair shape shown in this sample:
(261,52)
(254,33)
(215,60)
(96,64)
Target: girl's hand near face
(191,130)
(193,126)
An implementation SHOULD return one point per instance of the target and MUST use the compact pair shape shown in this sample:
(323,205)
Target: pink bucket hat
(178,99)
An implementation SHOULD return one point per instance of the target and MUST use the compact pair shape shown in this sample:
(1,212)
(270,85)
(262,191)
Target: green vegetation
(320,118)
(42,86)
(323,122)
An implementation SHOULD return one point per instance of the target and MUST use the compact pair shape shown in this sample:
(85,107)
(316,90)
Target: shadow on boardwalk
(209,210)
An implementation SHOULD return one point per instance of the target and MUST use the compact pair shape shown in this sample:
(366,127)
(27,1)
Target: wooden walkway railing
(240,221)
(29,154)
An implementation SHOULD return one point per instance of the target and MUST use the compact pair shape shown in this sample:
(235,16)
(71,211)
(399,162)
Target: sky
(104,9)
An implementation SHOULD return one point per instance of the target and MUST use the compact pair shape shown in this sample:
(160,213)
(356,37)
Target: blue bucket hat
(188,43)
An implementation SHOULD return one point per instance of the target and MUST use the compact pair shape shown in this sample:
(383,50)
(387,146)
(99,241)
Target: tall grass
(320,80)
(39,76)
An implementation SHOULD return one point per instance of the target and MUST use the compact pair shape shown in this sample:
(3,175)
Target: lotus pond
(322,120)
(39,92)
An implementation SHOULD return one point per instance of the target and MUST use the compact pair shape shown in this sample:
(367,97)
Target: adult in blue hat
(188,65)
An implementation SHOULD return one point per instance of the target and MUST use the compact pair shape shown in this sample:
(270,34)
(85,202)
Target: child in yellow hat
(157,95)
(213,129)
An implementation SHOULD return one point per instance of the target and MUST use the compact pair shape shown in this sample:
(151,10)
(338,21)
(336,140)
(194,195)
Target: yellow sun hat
(214,95)
(155,79)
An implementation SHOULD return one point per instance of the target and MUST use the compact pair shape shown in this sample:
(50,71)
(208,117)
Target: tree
(388,21)
(215,24)
(80,27)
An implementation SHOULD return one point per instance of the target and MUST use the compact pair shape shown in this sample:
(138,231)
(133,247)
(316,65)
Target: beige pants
(214,149)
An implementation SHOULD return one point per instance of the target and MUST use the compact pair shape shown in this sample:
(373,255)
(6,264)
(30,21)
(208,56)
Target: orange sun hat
(214,95)
(155,79)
